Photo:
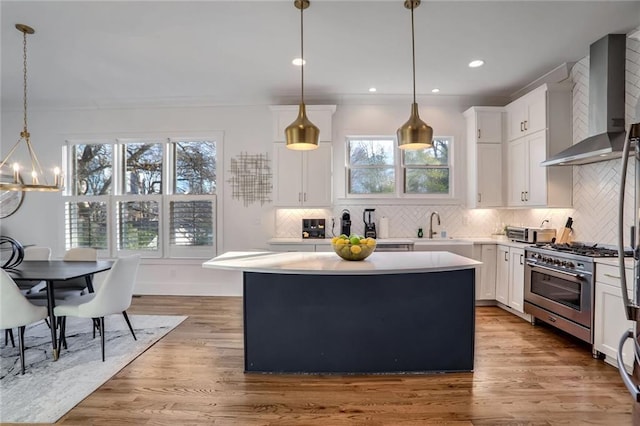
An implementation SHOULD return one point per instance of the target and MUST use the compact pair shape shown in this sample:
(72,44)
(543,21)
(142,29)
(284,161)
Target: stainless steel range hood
(606,106)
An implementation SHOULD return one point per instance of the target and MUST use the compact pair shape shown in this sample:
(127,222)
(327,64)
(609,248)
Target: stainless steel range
(559,286)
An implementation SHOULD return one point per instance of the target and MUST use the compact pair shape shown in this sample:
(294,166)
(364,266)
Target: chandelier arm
(35,163)
(10,153)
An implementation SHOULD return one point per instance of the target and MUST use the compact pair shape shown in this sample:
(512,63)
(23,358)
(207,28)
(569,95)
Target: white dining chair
(112,297)
(26,287)
(17,311)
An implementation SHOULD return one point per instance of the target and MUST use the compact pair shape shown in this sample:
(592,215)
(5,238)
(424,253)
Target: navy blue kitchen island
(314,313)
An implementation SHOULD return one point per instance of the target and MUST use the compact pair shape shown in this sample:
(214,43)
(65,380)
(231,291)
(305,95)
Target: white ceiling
(240,52)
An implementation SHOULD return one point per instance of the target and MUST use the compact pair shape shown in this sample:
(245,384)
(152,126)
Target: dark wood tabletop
(57,270)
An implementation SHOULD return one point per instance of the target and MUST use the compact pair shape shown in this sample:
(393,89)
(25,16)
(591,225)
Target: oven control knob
(557,262)
(564,263)
(570,265)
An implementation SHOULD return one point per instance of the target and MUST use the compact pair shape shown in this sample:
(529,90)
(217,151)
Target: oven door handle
(557,274)
(634,390)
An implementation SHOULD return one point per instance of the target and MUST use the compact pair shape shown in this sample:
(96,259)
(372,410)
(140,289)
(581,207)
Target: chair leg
(62,339)
(21,345)
(126,317)
(96,326)
(8,334)
(102,333)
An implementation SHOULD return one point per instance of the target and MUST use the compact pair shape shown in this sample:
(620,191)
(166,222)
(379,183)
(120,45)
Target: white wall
(246,129)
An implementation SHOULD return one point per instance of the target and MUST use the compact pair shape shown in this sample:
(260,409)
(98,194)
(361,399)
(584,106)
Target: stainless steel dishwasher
(394,247)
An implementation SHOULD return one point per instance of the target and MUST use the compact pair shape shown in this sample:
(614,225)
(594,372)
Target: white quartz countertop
(381,241)
(327,263)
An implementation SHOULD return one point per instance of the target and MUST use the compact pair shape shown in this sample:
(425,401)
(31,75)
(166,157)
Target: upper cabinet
(302,178)
(484,155)
(539,125)
(527,114)
(320,115)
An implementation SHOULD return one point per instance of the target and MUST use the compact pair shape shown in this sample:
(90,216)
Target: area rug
(49,389)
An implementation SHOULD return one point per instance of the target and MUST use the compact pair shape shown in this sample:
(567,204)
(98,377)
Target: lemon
(341,242)
(371,242)
(356,249)
(334,239)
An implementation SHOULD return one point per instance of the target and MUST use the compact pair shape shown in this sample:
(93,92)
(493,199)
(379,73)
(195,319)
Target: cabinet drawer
(611,275)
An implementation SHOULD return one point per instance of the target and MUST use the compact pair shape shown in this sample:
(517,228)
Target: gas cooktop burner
(582,249)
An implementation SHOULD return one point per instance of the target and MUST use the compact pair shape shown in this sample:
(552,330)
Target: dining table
(52,272)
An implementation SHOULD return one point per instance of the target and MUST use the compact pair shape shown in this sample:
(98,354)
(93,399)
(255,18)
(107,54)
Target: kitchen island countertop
(328,263)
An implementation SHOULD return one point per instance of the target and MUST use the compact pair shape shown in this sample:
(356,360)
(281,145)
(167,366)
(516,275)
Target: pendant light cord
(24,75)
(302,53)
(413,54)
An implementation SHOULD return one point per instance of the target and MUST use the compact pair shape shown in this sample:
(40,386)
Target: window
(377,168)
(427,171)
(153,197)
(371,167)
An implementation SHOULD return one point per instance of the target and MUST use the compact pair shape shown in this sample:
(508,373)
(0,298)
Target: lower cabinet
(510,277)
(610,321)
(485,274)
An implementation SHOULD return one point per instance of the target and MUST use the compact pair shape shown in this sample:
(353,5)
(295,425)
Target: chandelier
(38,179)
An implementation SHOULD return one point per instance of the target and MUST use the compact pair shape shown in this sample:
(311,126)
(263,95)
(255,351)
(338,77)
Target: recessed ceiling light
(373,89)
(299,62)
(476,63)
(436,90)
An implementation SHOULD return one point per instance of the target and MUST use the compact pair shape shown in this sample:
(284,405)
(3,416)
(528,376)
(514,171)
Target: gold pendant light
(302,134)
(36,169)
(415,133)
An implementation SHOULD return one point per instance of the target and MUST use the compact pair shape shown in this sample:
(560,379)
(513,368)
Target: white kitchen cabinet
(548,131)
(516,279)
(302,178)
(527,114)
(510,277)
(484,124)
(320,115)
(502,274)
(610,321)
(527,179)
(486,273)
(484,157)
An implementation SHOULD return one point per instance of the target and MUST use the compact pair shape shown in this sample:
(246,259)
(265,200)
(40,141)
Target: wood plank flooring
(523,375)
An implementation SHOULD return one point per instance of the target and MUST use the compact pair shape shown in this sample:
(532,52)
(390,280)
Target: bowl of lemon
(353,247)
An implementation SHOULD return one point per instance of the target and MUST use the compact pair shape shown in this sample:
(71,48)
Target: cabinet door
(288,176)
(517,166)
(515,119)
(489,175)
(610,322)
(488,273)
(536,111)
(317,171)
(516,281)
(502,275)
(489,126)
(536,192)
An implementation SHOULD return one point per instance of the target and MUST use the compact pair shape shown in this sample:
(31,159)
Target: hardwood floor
(523,375)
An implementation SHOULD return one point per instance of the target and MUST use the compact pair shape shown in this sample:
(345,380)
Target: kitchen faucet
(431,233)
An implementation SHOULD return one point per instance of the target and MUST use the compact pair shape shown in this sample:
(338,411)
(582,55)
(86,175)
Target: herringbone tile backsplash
(595,191)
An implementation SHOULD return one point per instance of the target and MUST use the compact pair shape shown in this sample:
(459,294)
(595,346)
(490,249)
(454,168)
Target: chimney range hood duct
(606,106)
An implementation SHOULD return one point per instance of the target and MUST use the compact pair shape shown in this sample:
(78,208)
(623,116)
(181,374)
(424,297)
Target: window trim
(166,138)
